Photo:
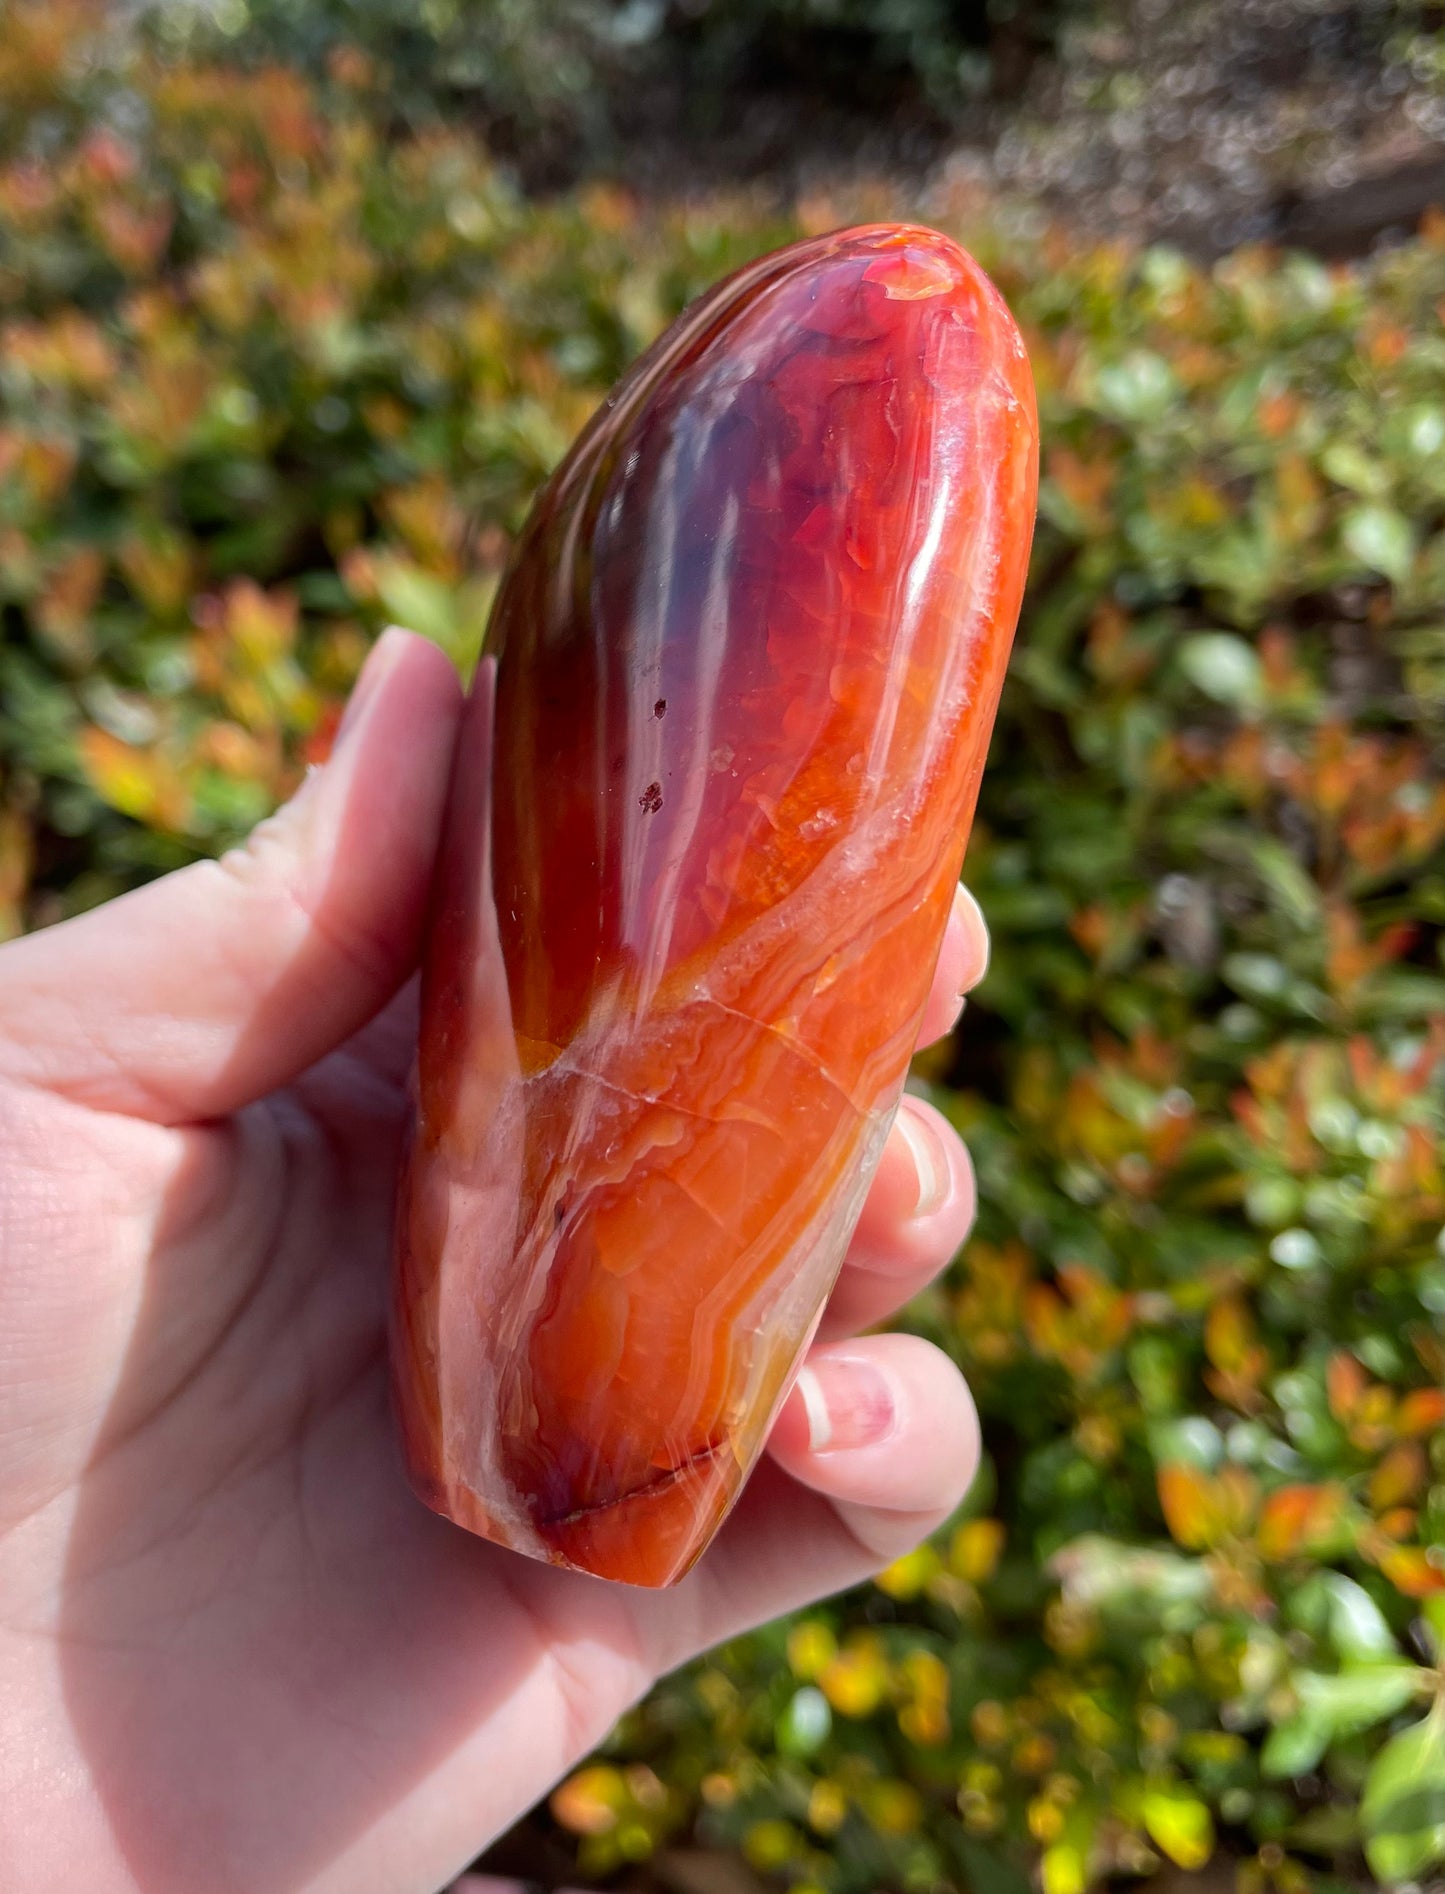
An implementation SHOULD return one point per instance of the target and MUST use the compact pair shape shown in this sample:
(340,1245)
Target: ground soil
(1206,123)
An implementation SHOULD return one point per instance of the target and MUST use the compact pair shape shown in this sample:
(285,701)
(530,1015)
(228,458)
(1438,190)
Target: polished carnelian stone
(709,810)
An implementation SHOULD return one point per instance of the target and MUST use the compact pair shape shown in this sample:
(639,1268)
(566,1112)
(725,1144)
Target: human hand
(239,1656)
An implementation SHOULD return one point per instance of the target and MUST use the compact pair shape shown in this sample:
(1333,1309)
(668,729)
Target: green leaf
(1293,891)
(1180,1825)
(1224,667)
(1102,1575)
(1403,1809)
(417,600)
(987,1870)
(1052,682)
(1357,1624)
(1355,1699)
(1425,432)
(1257,976)
(1349,466)
(1402,993)
(1140,386)
(1434,1610)
(1382,539)
(1334,1706)
(805,1723)
(1327,1830)
(1294,1747)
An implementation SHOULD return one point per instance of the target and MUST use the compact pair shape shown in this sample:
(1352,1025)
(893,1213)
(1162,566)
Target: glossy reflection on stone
(710,806)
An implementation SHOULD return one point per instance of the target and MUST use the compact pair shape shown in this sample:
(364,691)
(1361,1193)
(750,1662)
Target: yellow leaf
(17,855)
(1412,1572)
(1065,1864)
(856,1680)
(1063,1870)
(589,1802)
(1399,1476)
(907,1577)
(1180,1825)
(893,1807)
(1187,1499)
(1228,1334)
(811,1648)
(827,1807)
(770,1845)
(139,782)
(976,1549)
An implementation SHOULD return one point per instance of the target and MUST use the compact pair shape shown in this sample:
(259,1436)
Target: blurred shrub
(268,379)
(530,69)
(562,73)
(860,53)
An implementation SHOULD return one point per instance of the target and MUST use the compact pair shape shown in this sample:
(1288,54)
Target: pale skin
(239,1657)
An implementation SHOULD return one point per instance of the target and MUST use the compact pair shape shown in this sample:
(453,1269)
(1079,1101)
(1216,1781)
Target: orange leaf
(1346,1382)
(1240,1361)
(139,782)
(1421,1412)
(1399,1523)
(1295,1517)
(1398,1477)
(1200,1511)
(590,1802)
(1410,1571)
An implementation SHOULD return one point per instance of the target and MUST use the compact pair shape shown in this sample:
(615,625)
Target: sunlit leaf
(1334,1706)
(1179,1824)
(1065,1865)
(1187,1497)
(1224,667)
(590,1801)
(1138,387)
(976,1548)
(1403,1807)
(1294,1747)
(1358,1627)
(1413,1571)
(1382,540)
(805,1723)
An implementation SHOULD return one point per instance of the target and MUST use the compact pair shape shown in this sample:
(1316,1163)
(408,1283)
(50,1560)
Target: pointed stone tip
(909,260)
(870,281)
(909,263)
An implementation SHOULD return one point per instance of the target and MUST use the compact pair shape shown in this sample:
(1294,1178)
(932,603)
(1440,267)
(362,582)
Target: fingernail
(970,914)
(848,1401)
(379,662)
(919,1132)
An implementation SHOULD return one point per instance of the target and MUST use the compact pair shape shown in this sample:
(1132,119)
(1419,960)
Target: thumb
(210,987)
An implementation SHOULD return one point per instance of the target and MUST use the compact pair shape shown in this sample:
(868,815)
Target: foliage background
(560,81)
(270,377)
